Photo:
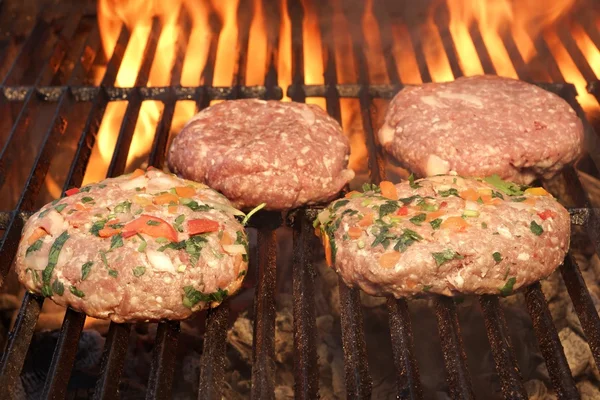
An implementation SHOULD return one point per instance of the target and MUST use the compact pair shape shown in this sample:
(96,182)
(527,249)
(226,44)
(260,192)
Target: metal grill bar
(19,339)
(455,358)
(584,306)
(163,361)
(549,343)
(64,356)
(212,362)
(113,360)
(306,381)
(119,158)
(407,376)
(502,350)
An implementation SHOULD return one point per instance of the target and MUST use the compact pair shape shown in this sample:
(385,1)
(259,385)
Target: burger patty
(480,126)
(143,246)
(446,234)
(253,151)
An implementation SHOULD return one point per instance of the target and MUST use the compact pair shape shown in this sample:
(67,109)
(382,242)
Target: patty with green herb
(445,234)
(142,246)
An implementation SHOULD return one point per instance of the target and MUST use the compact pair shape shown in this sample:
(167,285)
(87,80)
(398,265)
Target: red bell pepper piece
(72,191)
(202,225)
(152,226)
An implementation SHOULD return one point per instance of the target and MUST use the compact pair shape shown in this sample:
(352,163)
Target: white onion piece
(38,262)
(53,223)
(324,216)
(130,184)
(520,205)
(160,261)
(235,248)
(162,183)
(471,205)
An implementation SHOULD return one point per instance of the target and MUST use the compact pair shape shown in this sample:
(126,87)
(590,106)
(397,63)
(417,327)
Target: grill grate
(48,86)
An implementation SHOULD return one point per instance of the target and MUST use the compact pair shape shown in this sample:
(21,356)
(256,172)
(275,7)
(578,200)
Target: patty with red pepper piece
(481,126)
(253,151)
(143,246)
(446,235)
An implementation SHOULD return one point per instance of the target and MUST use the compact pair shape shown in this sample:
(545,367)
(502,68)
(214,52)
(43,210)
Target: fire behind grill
(58,93)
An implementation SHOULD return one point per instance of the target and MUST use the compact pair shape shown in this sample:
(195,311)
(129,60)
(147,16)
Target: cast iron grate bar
(212,361)
(549,343)
(113,361)
(163,361)
(64,356)
(407,370)
(453,350)
(507,366)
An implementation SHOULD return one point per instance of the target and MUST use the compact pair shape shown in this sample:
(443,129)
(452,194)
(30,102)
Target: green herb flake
(449,192)
(536,228)
(52,260)
(193,204)
(484,225)
(497,195)
(86,269)
(103,258)
(479,200)
(113,272)
(60,207)
(387,208)
(76,292)
(87,199)
(252,212)
(178,222)
(507,289)
(408,200)
(407,238)
(518,199)
(418,219)
(97,226)
(143,243)
(445,256)
(426,206)
(508,188)
(411,182)
(34,247)
(339,203)
(58,287)
(123,207)
(193,246)
(497,256)
(242,273)
(427,288)
(435,224)
(85,189)
(152,223)
(116,241)
(371,187)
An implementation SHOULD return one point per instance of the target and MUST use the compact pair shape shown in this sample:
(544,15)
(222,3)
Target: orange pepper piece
(388,190)
(108,232)
(469,194)
(136,173)
(354,232)
(173,209)
(226,239)
(350,194)
(37,233)
(389,260)
(185,191)
(327,247)
(165,198)
(434,214)
(456,224)
(367,220)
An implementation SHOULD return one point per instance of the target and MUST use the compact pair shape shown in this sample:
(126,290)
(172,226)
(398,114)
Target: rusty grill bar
(55,88)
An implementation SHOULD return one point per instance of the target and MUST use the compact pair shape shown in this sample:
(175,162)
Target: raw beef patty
(253,151)
(480,126)
(143,246)
(445,235)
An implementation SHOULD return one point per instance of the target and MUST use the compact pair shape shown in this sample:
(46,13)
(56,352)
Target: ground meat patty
(446,235)
(480,126)
(253,151)
(143,246)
